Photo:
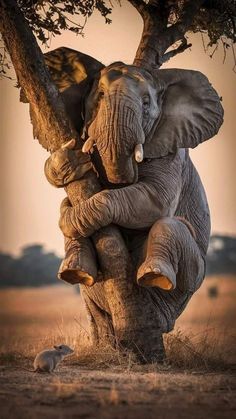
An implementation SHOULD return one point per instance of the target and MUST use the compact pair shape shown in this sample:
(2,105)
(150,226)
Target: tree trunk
(159,35)
(119,310)
(151,47)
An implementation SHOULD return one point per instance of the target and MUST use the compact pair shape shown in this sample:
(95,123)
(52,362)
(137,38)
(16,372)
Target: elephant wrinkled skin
(140,205)
(138,127)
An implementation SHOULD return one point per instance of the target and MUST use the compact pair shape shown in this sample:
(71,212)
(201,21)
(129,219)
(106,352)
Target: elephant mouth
(115,175)
(127,174)
(119,181)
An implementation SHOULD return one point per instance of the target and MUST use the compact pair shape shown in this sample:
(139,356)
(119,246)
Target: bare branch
(203,43)
(224,48)
(181,48)
(214,50)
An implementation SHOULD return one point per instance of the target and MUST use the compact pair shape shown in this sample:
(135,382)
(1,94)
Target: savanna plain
(197,380)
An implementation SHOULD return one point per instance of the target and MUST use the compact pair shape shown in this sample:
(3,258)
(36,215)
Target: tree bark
(158,35)
(120,311)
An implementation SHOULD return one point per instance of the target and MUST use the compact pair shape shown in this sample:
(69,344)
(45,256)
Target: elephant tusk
(138,153)
(88,146)
(70,144)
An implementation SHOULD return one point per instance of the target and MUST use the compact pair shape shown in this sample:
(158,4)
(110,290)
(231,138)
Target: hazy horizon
(30,206)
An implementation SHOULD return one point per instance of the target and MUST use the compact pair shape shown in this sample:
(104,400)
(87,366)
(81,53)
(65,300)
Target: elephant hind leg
(155,272)
(154,279)
(172,257)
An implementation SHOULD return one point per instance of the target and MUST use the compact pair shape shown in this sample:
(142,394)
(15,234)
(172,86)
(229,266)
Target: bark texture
(158,36)
(118,309)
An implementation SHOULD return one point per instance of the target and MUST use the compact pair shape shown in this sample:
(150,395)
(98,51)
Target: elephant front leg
(79,265)
(172,258)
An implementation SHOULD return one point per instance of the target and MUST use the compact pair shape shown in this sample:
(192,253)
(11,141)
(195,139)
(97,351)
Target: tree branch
(157,37)
(181,48)
(175,32)
(31,70)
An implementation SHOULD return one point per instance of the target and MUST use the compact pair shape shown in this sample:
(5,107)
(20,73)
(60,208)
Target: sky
(29,208)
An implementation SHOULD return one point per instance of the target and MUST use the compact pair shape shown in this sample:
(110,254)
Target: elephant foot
(153,273)
(79,265)
(75,275)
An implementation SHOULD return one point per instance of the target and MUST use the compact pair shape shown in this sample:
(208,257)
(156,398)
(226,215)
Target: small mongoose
(47,360)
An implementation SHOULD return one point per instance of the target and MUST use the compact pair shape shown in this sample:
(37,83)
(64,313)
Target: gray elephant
(138,126)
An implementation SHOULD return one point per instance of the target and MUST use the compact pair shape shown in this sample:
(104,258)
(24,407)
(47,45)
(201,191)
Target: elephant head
(121,110)
(131,114)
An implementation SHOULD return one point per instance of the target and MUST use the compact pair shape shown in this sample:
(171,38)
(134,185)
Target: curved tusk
(138,153)
(70,144)
(83,134)
(88,146)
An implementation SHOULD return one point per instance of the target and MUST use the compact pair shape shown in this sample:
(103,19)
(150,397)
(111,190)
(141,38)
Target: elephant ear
(191,113)
(68,67)
(73,73)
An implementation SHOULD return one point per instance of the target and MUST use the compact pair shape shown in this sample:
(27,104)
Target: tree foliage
(171,20)
(50,18)
(214,18)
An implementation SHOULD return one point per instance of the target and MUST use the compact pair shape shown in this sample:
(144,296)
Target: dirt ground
(81,393)
(197,381)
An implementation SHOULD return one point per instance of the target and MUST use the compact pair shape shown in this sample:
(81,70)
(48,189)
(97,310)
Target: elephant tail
(188,225)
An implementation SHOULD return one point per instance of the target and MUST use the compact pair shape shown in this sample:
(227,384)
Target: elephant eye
(100,94)
(146,105)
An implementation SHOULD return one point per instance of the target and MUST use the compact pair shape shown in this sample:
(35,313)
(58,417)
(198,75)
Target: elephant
(138,126)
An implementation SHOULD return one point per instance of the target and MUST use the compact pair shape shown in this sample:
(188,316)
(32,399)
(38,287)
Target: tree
(34,267)
(119,310)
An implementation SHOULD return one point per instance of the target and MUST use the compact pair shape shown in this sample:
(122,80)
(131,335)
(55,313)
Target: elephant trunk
(117,130)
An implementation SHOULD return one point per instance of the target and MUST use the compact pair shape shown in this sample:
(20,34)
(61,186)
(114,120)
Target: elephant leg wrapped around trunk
(172,255)
(64,168)
(172,267)
(79,265)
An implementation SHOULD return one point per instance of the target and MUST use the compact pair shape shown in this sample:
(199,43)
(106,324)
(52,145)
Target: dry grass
(34,319)
(105,383)
(197,353)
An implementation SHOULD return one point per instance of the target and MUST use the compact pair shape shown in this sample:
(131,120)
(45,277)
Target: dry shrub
(184,352)
(204,351)
(104,356)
